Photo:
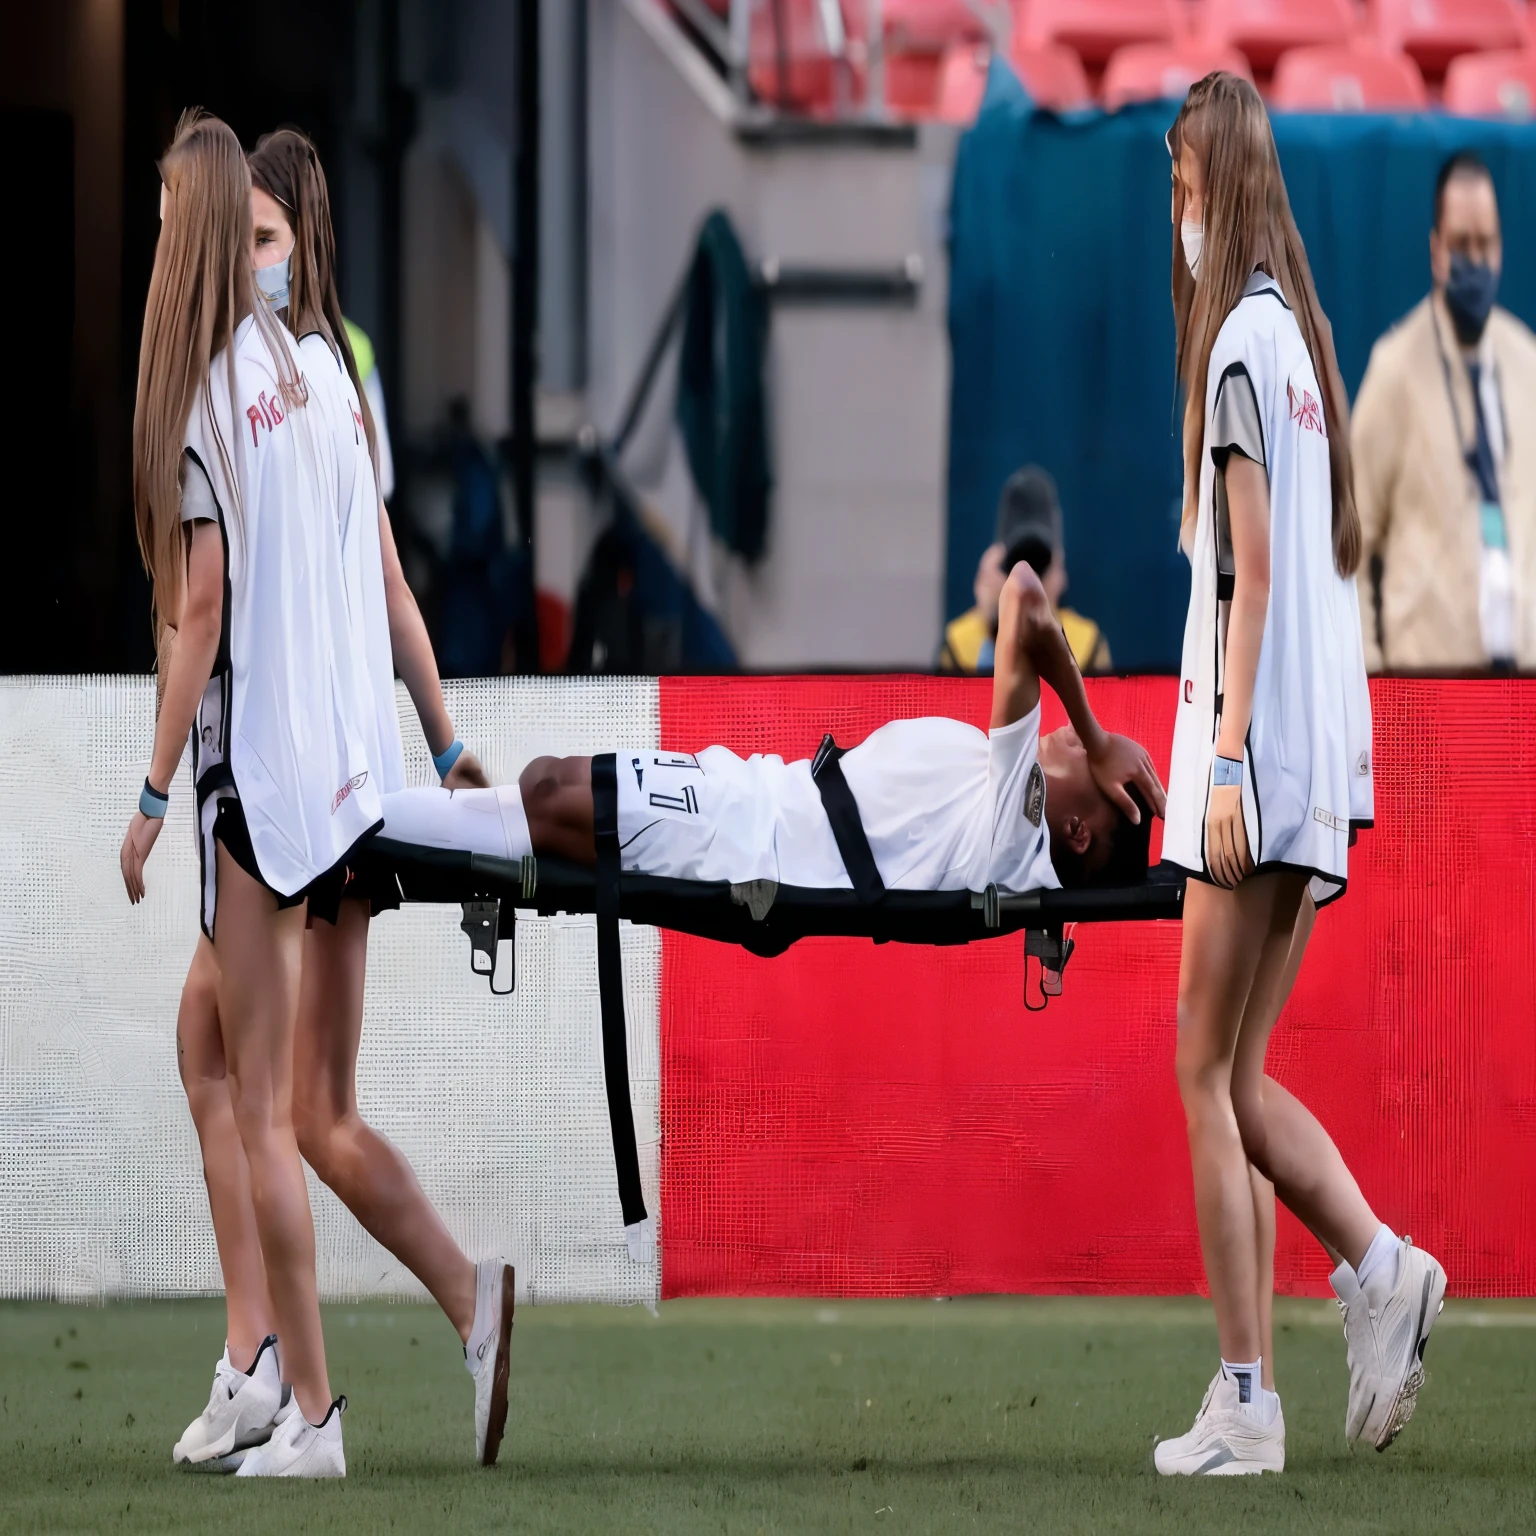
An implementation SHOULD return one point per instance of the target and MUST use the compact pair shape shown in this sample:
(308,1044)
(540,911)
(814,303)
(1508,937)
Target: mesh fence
(498,1102)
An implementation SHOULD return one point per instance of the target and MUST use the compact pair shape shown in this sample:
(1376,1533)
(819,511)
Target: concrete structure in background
(859,394)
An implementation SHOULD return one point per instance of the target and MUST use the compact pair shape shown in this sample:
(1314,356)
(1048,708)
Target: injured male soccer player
(944,807)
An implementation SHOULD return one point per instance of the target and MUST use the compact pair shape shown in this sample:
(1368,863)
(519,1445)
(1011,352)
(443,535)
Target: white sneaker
(1227,1439)
(301,1449)
(242,1410)
(486,1354)
(1385,1332)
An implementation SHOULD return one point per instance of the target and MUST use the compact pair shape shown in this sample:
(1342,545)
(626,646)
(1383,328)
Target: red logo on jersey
(356,782)
(1305,410)
(268,411)
(1189,690)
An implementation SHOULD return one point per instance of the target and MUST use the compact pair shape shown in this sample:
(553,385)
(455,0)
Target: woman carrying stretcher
(943,805)
(294,256)
(1271,774)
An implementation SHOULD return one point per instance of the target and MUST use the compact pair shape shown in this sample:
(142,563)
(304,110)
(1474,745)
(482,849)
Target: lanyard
(1469,455)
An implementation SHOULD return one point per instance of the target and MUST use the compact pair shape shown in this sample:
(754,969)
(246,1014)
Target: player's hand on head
(467,773)
(1122,762)
(137,843)
(1226,837)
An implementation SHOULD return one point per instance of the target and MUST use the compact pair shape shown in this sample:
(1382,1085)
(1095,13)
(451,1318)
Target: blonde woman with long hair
(294,258)
(236,508)
(1271,776)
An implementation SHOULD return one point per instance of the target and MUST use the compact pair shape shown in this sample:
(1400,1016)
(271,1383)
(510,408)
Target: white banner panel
(497,1102)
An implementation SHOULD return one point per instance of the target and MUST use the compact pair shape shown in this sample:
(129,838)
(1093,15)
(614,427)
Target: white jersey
(945,807)
(1307,760)
(361,550)
(286,718)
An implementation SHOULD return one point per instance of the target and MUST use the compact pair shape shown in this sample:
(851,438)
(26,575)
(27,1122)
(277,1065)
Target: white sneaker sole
(496,1422)
(1221,1463)
(1431,1304)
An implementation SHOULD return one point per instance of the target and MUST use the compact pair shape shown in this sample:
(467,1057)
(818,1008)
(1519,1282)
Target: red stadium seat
(1492,85)
(962,83)
(1054,78)
(1264,29)
(1163,71)
(809,78)
(1095,28)
(1433,32)
(1354,79)
(919,35)
(920,25)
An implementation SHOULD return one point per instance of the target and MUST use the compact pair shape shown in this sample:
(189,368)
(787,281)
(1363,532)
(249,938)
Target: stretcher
(762,916)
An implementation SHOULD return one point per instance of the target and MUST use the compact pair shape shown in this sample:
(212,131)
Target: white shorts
(696,817)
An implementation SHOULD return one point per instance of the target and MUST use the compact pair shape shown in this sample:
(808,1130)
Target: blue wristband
(152,803)
(1226,770)
(444,762)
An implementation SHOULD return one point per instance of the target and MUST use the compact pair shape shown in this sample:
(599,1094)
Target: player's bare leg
(557,800)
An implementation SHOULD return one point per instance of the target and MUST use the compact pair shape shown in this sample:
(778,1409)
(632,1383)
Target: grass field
(767,1416)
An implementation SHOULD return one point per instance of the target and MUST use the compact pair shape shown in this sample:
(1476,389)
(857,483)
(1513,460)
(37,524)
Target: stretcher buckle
(1053,949)
(482,922)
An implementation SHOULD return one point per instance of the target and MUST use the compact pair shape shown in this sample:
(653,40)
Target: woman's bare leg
(367,1172)
(260,951)
(1264,1231)
(1235,948)
(1283,1139)
(200,1057)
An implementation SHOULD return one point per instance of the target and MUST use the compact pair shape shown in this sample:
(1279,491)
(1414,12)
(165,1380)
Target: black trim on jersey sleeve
(199,501)
(1236,425)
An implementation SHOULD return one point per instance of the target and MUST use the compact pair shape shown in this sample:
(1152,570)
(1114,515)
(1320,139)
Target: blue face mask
(273,283)
(1469,295)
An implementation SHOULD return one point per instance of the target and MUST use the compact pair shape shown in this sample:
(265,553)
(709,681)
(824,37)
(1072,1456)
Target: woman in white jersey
(295,263)
(235,503)
(1271,772)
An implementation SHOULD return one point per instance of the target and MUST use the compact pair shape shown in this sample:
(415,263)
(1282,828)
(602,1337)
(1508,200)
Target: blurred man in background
(1444,440)
(1029,528)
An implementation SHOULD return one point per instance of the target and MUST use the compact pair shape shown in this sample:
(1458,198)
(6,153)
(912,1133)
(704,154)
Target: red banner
(862,1120)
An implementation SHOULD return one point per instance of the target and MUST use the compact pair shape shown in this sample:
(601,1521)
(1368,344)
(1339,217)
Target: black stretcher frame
(762,916)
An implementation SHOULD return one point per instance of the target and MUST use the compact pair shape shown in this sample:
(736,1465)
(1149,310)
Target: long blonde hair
(286,166)
(1248,224)
(200,291)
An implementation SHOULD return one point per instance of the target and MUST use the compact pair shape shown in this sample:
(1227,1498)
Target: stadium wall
(845,1120)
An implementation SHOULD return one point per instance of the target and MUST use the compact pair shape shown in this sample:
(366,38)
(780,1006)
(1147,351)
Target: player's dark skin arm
(1031,646)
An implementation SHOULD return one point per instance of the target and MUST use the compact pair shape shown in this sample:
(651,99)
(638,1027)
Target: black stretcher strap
(847,826)
(610,987)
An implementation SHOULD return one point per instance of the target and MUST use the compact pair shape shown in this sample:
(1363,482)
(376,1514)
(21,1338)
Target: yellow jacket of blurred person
(965,636)
(1418,500)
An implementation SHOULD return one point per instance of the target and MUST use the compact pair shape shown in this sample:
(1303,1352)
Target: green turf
(766,1416)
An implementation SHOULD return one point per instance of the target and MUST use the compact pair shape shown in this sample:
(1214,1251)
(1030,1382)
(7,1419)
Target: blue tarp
(1062,328)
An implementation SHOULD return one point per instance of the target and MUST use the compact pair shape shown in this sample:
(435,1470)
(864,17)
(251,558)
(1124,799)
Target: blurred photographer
(1029,528)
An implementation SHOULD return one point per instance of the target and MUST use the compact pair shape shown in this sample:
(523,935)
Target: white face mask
(273,283)
(1193,236)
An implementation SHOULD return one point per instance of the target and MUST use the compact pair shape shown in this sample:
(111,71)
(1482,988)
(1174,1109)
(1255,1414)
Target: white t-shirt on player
(944,806)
